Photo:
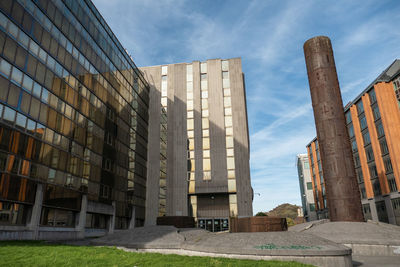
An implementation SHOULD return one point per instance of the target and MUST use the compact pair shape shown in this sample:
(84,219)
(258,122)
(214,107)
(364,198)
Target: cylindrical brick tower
(343,196)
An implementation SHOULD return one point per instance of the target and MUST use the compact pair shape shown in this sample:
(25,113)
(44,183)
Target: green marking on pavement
(296,247)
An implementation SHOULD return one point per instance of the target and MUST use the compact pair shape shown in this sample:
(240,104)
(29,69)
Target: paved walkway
(263,245)
(352,232)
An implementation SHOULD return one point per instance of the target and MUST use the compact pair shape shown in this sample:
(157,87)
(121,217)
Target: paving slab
(143,237)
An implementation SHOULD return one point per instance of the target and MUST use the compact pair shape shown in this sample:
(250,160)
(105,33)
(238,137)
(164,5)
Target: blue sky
(269,37)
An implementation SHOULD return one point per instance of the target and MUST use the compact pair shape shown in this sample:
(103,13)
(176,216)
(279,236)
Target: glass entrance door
(213,225)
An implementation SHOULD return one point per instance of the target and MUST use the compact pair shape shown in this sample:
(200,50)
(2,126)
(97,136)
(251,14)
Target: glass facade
(73,115)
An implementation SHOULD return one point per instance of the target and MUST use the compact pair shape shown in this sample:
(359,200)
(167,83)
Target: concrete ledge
(16,235)
(374,250)
(326,261)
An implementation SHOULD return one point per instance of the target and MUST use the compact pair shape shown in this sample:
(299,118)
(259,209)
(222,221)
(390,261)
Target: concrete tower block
(343,196)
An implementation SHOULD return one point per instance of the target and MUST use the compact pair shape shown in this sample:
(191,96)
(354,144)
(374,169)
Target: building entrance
(213,225)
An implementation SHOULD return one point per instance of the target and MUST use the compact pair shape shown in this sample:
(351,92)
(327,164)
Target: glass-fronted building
(73,123)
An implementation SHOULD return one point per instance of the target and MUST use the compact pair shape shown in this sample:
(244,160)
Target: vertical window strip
(230,154)
(205,121)
(191,166)
(163,142)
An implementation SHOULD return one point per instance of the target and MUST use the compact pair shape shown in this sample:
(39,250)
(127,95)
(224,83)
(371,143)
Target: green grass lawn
(37,253)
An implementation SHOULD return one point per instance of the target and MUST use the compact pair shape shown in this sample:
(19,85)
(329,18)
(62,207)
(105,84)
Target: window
(363,123)
(369,153)
(229,141)
(360,107)
(354,145)
(348,117)
(392,185)
(207,175)
(206,164)
(367,139)
(377,114)
(380,130)
(309,186)
(164,70)
(377,188)
(363,193)
(356,160)
(384,147)
(190,124)
(57,218)
(12,213)
(351,130)
(230,161)
(360,177)
(206,143)
(225,65)
(388,165)
(372,96)
(203,67)
(373,172)
(306,165)
(312,207)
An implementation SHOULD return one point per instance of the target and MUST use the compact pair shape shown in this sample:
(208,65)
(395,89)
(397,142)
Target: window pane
(21,120)
(16,75)
(205,123)
(9,114)
(28,83)
(229,141)
(206,143)
(231,185)
(190,124)
(206,164)
(230,163)
(228,121)
(13,95)
(5,68)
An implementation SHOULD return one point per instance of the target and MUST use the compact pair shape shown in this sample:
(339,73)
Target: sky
(268,36)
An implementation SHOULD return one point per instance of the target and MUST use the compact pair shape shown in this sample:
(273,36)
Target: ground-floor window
(381,210)
(14,213)
(367,212)
(97,221)
(121,222)
(57,217)
(214,225)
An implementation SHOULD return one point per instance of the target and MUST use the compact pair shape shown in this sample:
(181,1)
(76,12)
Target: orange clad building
(373,123)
